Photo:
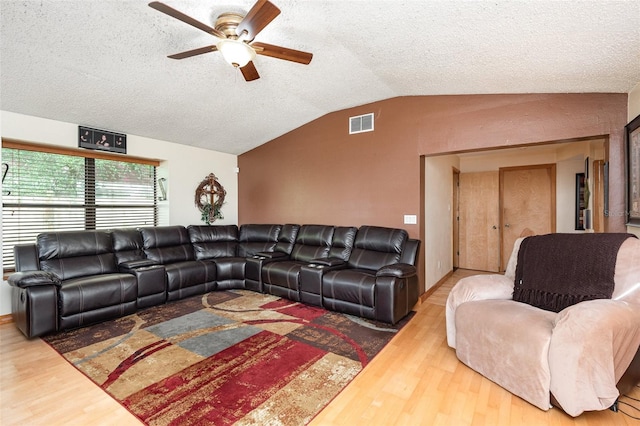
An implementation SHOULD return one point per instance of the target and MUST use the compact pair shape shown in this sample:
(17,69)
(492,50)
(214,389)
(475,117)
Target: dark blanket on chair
(559,270)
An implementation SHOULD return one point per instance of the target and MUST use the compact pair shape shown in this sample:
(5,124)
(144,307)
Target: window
(57,191)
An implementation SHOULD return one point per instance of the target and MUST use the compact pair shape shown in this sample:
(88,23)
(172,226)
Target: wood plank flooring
(415,380)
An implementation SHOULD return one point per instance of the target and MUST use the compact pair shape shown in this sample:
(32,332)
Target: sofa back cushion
(312,242)
(342,243)
(127,245)
(410,252)
(376,247)
(287,238)
(167,244)
(255,238)
(212,241)
(74,254)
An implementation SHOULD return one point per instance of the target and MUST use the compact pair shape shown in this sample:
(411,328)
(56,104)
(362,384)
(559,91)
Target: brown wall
(320,174)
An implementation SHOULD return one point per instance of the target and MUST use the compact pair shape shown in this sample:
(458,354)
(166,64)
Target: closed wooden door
(479,221)
(527,204)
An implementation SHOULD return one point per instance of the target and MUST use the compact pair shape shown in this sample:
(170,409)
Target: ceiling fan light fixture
(236,52)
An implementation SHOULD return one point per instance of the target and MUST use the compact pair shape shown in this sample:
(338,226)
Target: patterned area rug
(226,357)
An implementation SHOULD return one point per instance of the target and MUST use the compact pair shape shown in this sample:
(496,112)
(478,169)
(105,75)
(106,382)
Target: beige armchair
(574,359)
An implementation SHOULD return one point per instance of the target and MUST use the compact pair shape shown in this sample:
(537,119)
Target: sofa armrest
(476,287)
(398,270)
(33,278)
(592,345)
(395,296)
(270,255)
(26,257)
(135,264)
(330,261)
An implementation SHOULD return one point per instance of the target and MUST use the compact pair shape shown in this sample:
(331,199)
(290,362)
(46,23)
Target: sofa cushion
(127,245)
(56,245)
(73,254)
(90,293)
(167,244)
(287,238)
(210,242)
(282,274)
(350,285)
(375,247)
(342,243)
(255,238)
(230,268)
(182,275)
(312,242)
(559,270)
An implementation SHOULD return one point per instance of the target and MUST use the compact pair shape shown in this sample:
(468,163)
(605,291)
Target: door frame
(455,217)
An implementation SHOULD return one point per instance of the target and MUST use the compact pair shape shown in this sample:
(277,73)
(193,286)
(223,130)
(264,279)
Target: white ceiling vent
(361,123)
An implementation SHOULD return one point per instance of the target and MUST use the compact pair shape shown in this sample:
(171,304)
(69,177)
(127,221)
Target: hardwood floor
(415,380)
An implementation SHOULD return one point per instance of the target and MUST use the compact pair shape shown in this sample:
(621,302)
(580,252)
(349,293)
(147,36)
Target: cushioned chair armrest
(26,257)
(33,278)
(331,261)
(592,345)
(133,264)
(476,287)
(398,270)
(270,255)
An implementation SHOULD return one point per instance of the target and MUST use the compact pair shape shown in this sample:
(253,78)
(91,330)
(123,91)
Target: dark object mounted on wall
(632,171)
(581,205)
(210,198)
(103,140)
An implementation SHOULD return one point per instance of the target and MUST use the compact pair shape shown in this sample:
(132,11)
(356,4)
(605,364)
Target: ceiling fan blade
(161,7)
(194,52)
(258,17)
(282,53)
(249,72)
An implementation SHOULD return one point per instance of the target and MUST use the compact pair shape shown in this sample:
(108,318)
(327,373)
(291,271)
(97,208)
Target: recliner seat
(91,288)
(375,284)
(281,278)
(170,246)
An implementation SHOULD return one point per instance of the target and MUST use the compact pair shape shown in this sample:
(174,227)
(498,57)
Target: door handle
(494,227)
(507,225)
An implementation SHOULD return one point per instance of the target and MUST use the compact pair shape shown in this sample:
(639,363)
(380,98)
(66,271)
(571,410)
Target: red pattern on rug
(225,357)
(225,387)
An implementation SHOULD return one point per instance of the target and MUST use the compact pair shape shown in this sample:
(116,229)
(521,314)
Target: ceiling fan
(236,34)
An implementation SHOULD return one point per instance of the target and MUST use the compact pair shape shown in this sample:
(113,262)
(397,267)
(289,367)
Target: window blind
(45,191)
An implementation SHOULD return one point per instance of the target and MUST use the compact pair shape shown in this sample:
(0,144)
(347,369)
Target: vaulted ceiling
(104,63)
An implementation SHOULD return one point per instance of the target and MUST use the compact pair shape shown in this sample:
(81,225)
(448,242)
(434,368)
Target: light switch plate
(410,219)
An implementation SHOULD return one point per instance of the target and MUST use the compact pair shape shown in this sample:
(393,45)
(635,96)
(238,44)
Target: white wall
(566,194)
(183,166)
(438,239)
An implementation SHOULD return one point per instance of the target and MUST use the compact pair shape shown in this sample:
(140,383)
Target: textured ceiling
(103,63)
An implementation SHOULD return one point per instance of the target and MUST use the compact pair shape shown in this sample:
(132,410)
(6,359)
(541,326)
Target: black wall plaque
(103,140)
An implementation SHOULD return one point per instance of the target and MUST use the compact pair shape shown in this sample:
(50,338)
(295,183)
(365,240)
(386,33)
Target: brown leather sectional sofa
(71,279)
